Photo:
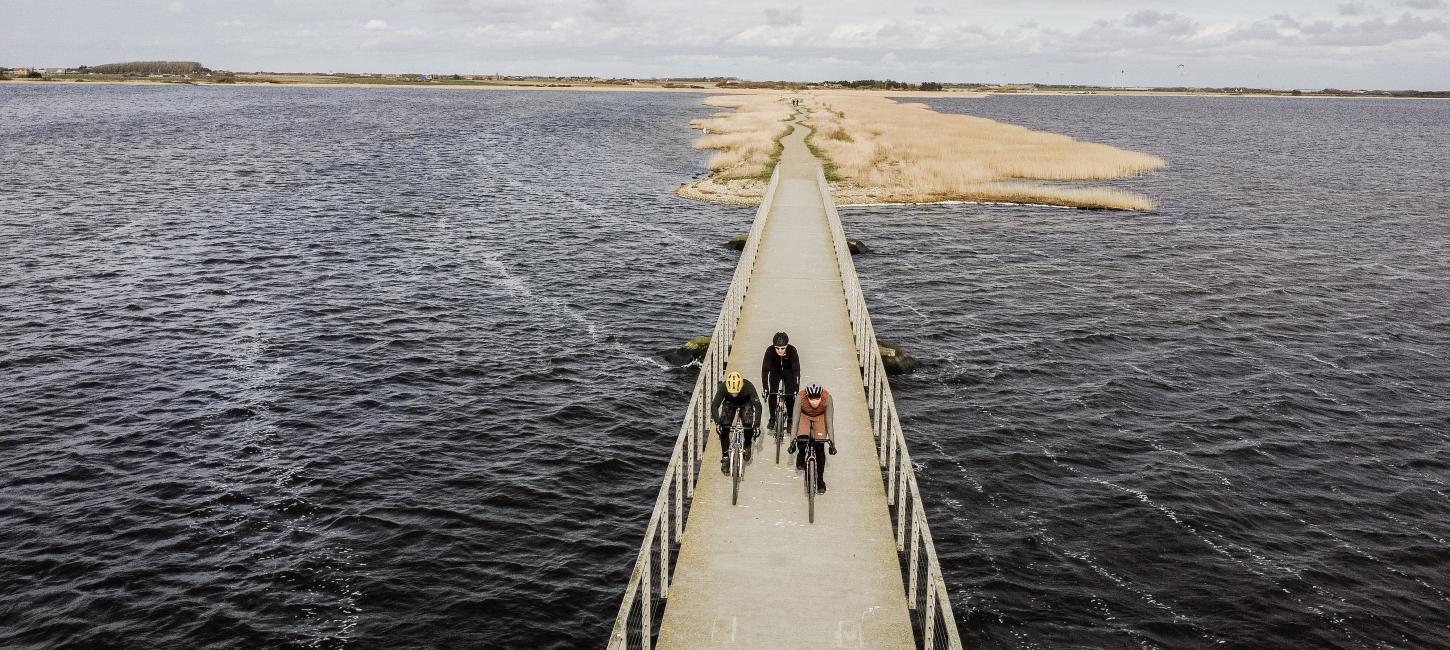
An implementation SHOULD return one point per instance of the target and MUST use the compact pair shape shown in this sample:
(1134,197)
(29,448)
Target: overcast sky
(1384,44)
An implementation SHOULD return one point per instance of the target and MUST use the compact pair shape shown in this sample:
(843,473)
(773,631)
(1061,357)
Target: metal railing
(931,609)
(649,585)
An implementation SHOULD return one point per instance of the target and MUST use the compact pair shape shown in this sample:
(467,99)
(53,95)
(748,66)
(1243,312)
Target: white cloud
(1281,41)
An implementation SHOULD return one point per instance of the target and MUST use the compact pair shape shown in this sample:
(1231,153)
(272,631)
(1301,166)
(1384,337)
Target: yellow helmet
(734,382)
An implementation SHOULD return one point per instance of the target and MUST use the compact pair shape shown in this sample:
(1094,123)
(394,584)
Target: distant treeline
(771,85)
(885,84)
(147,68)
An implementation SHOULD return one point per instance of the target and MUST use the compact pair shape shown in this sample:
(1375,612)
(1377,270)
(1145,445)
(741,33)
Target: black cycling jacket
(776,368)
(747,396)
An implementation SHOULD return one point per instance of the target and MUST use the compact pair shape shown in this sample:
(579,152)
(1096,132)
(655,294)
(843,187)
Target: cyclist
(734,395)
(815,425)
(780,371)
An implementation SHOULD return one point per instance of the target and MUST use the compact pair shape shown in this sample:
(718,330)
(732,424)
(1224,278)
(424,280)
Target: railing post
(680,482)
(665,555)
(912,574)
(871,377)
(928,630)
(879,414)
(903,509)
(891,473)
(647,610)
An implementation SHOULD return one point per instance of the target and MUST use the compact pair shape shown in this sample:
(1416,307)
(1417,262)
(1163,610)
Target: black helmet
(781,339)
(813,391)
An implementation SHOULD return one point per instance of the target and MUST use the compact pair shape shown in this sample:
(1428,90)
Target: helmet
(813,391)
(780,339)
(734,382)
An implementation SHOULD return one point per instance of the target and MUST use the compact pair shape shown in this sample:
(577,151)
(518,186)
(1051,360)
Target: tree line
(147,68)
(886,84)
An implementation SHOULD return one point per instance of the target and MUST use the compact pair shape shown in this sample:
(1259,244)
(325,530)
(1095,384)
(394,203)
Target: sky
(1308,44)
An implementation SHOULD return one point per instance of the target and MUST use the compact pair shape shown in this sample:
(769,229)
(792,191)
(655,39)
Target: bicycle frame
(780,418)
(737,457)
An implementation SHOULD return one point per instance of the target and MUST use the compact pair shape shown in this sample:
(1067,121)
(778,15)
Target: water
(296,367)
(322,368)
(1225,423)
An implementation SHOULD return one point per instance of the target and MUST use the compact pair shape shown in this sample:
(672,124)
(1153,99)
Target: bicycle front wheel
(779,436)
(736,469)
(811,489)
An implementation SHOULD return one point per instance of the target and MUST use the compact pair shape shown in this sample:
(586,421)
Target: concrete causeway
(759,575)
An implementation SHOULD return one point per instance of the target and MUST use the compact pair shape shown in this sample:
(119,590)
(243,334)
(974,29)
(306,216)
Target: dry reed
(882,151)
(746,137)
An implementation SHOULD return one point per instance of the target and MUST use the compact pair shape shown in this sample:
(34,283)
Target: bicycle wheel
(779,435)
(735,471)
(811,487)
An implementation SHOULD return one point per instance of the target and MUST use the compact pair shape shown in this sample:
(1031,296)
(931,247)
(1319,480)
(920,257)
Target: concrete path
(758,575)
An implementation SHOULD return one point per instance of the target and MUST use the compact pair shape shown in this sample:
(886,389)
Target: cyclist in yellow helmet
(735,395)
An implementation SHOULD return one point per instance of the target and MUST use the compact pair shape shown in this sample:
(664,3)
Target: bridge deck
(758,575)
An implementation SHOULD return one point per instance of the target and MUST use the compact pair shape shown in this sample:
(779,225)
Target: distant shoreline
(273,82)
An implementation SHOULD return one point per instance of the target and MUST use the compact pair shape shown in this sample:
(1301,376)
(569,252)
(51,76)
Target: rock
(895,359)
(853,245)
(692,350)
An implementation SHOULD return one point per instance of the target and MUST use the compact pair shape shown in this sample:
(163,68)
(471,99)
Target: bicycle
(779,430)
(737,459)
(811,477)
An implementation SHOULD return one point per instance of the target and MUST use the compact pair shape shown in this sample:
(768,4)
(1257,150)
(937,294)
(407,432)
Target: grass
(875,150)
(909,153)
(776,153)
(827,166)
(747,140)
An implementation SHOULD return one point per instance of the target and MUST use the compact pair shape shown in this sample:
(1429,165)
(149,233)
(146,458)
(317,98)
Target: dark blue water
(1222,424)
(320,368)
(309,367)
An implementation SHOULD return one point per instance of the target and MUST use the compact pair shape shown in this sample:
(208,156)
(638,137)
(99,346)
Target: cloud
(176,8)
(784,18)
(1372,32)
(614,12)
(1147,18)
(1382,41)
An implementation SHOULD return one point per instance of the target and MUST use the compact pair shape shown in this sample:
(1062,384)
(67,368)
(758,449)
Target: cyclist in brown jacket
(815,425)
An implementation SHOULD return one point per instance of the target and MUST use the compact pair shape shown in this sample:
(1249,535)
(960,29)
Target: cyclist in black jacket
(781,369)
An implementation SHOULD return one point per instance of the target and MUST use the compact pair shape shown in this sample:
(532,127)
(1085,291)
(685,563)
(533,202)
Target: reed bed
(881,151)
(747,138)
